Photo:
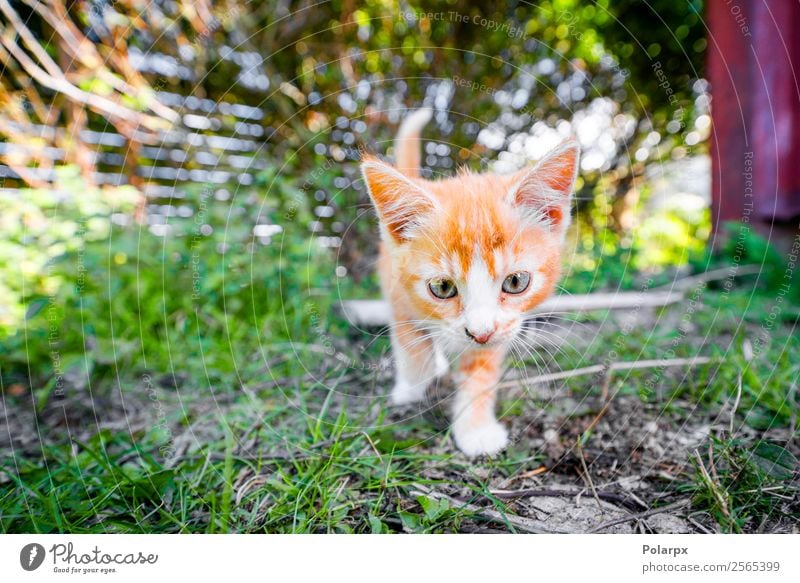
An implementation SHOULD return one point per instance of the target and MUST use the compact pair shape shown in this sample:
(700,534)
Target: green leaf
(386,442)
(35,307)
(433,508)
(409,520)
(774,460)
(376,525)
(760,419)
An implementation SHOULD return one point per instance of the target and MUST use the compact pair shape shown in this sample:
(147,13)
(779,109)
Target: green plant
(742,483)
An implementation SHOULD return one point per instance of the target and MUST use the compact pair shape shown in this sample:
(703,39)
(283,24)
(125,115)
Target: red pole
(728,71)
(776,111)
(755,85)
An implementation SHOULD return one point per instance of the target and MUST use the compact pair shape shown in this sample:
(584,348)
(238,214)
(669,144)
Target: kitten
(462,260)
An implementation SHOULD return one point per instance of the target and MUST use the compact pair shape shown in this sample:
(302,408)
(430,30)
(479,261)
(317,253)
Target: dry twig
(640,515)
(567,493)
(617,366)
(521,523)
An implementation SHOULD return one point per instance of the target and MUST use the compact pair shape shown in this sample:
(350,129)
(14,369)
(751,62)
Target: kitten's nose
(481,338)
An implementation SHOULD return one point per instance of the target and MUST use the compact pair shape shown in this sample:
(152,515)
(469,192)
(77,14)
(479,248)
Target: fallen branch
(376,313)
(617,366)
(640,515)
(521,523)
(588,476)
(571,493)
(731,271)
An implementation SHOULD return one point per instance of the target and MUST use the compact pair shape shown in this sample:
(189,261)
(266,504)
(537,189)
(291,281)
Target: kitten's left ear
(545,191)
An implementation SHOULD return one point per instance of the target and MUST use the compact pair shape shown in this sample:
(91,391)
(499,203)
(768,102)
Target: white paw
(404,393)
(487,439)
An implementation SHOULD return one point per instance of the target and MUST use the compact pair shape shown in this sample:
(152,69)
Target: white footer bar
(387,558)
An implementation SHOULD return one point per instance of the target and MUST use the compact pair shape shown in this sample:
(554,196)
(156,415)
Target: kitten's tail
(407,143)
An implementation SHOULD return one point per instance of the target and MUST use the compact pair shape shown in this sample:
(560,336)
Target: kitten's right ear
(402,204)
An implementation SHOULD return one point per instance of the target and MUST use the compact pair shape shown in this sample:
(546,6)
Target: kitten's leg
(416,362)
(476,430)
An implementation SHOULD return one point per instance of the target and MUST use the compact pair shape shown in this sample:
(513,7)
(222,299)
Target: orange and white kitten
(462,260)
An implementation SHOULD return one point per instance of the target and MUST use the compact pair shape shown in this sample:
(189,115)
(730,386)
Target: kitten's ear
(545,191)
(402,204)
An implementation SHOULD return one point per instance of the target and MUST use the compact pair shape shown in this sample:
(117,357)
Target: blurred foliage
(506,79)
(87,292)
(40,226)
(330,79)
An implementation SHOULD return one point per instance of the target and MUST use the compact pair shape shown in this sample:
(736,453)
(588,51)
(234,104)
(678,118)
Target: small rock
(668,524)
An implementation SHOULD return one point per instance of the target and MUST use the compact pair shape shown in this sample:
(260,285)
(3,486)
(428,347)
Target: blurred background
(152,132)
(180,202)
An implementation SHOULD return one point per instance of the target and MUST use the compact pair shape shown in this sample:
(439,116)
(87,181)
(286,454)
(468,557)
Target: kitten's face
(471,255)
(475,269)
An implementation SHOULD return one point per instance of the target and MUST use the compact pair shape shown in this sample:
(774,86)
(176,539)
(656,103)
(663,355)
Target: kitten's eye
(442,288)
(516,283)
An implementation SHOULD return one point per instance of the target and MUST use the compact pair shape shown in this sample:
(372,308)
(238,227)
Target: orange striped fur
(474,236)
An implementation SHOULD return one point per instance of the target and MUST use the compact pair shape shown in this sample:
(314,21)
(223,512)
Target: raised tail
(407,146)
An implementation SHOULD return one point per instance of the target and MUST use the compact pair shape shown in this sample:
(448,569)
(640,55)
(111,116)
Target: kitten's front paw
(404,393)
(487,439)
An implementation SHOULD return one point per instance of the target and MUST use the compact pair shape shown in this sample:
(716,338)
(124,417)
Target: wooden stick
(521,523)
(617,366)
(570,493)
(731,271)
(376,313)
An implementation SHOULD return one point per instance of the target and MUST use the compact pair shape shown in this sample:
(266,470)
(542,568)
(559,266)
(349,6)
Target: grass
(157,384)
(108,485)
(743,484)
